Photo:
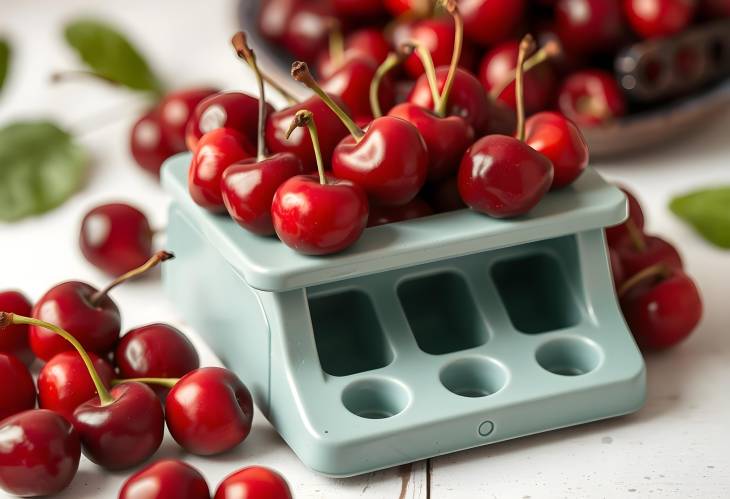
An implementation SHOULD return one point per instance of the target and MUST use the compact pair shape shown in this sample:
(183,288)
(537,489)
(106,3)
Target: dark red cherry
(381,215)
(148,145)
(591,97)
(166,479)
(658,18)
(116,238)
(436,35)
(39,453)
(616,235)
(365,43)
(155,351)
(589,26)
(617,270)
(254,482)
(209,411)
(17,391)
(358,9)
(490,21)
(15,339)
(64,382)
(307,31)
(216,151)
(176,108)
(274,17)
(234,110)
(646,251)
(712,9)
(351,82)
(444,196)
(560,140)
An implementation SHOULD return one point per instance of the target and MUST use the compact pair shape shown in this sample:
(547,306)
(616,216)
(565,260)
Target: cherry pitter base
(426,337)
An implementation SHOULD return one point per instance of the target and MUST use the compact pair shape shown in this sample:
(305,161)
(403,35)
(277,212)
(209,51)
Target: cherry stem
(244,52)
(548,51)
(394,59)
(167,382)
(527,44)
(156,259)
(336,44)
(282,91)
(305,118)
(657,270)
(428,68)
(300,72)
(451,8)
(635,234)
(7,319)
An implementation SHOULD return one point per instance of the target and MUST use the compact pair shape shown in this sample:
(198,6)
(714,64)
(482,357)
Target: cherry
(351,82)
(253,482)
(662,306)
(155,351)
(176,108)
(436,35)
(381,215)
(490,21)
(501,175)
(234,110)
(358,9)
(248,186)
(274,17)
(306,32)
(589,26)
(416,8)
(118,428)
(365,43)
(17,391)
(216,151)
(388,160)
(15,340)
(89,313)
(303,206)
(166,479)
(617,234)
(209,411)
(116,238)
(639,251)
(658,18)
(561,141)
(444,196)
(149,146)
(591,97)
(39,453)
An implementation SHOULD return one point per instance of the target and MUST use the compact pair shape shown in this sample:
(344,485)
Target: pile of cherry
(110,398)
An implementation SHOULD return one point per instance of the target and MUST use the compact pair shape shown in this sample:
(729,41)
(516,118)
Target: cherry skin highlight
(589,26)
(155,351)
(176,109)
(14,340)
(254,482)
(149,146)
(591,97)
(166,479)
(17,391)
(659,18)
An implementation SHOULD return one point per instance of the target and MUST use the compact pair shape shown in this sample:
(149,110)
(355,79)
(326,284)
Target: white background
(676,446)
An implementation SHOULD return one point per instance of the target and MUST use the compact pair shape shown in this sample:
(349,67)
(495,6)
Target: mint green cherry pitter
(426,337)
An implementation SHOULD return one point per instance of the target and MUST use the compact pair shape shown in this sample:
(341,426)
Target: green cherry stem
(7,319)
(657,270)
(156,259)
(428,68)
(453,10)
(167,382)
(305,118)
(548,51)
(527,44)
(336,43)
(244,52)
(300,72)
(393,60)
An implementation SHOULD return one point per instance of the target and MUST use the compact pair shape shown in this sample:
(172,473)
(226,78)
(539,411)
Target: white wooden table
(677,446)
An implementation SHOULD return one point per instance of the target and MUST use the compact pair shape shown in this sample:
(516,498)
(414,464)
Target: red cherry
(437,36)
(498,66)
(418,8)
(589,26)
(646,252)
(306,32)
(381,215)
(234,110)
(616,235)
(274,17)
(661,310)
(358,9)
(17,391)
(175,111)
(209,411)
(15,340)
(166,479)
(149,146)
(116,238)
(490,21)
(658,18)
(64,382)
(351,82)
(365,43)
(467,99)
(44,460)
(560,140)
(155,351)
(254,482)
(216,151)
(591,97)
(124,430)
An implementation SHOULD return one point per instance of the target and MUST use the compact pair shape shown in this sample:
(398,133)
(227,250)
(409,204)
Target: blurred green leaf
(40,167)
(110,56)
(4,61)
(708,211)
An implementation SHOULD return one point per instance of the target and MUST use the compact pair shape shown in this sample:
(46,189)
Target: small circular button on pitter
(486,428)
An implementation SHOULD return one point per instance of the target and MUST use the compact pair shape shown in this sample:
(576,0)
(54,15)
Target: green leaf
(40,167)
(4,61)
(110,55)
(708,211)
